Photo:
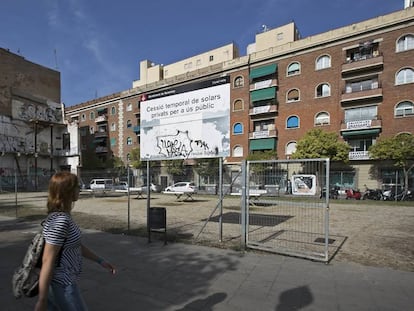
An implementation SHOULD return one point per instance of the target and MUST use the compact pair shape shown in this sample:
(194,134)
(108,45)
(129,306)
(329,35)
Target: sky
(97,45)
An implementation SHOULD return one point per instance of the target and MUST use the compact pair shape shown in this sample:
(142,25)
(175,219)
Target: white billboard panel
(191,121)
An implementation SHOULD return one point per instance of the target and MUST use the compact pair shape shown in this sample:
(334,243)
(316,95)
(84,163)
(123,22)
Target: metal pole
(243,206)
(148,202)
(35,153)
(221,198)
(15,184)
(129,198)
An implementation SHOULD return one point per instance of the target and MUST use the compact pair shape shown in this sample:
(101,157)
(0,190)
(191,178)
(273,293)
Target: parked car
(122,185)
(101,184)
(153,188)
(183,186)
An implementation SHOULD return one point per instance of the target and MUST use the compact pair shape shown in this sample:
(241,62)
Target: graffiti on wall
(27,111)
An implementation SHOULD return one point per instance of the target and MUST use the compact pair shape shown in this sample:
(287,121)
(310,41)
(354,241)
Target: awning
(263,144)
(263,94)
(361,132)
(263,71)
(101,109)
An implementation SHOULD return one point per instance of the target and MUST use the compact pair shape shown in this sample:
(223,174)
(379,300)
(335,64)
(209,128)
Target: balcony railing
(359,155)
(66,153)
(361,95)
(363,63)
(361,124)
(263,84)
(263,134)
(263,109)
(101,118)
(101,149)
(100,134)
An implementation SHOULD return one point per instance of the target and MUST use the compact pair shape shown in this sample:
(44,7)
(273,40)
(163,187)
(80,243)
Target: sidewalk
(188,277)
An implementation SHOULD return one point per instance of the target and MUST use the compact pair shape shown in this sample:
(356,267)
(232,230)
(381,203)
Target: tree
(208,167)
(399,149)
(135,158)
(321,144)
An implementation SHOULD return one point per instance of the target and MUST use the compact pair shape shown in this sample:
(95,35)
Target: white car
(183,186)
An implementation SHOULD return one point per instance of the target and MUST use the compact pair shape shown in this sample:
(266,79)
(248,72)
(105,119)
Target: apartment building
(33,138)
(356,81)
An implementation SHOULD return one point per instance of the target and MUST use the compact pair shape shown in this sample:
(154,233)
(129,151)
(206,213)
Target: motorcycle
(353,194)
(372,194)
(391,195)
(333,192)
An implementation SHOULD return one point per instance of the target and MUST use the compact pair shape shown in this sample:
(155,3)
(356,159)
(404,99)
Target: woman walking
(64,251)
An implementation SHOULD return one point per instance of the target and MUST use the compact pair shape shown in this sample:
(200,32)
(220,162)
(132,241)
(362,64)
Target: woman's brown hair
(62,192)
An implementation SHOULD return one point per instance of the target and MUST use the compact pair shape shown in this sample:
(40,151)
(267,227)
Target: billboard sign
(304,184)
(190,121)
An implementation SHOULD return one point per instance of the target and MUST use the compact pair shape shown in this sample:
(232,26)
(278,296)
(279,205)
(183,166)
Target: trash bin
(157,222)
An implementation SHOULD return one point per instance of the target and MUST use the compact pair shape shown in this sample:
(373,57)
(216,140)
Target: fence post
(243,205)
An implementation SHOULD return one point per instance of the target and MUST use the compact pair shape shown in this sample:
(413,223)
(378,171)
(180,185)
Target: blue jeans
(65,298)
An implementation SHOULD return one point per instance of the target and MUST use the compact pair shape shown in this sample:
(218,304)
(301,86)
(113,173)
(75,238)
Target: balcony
(263,84)
(137,129)
(263,110)
(100,133)
(365,63)
(358,155)
(361,124)
(365,94)
(101,149)
(101,118)
(263,134)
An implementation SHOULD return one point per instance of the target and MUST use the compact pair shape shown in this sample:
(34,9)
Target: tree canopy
(399,149)
(321,144)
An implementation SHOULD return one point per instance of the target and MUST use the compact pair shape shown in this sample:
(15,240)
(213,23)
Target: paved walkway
(151,276)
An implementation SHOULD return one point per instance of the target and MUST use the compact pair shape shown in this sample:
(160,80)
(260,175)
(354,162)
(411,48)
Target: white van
(101,184)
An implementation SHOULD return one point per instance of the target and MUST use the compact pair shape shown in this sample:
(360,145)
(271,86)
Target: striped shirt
(60,229)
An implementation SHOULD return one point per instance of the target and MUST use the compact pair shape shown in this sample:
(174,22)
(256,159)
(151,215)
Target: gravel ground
(375,233)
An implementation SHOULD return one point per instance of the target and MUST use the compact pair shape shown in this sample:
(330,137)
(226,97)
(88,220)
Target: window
(293,96)
(211,58)
(238,82)
(238,129)
(91,115)
(279,36)
(361,85)
(113,110)
(238,151)
(404,109)
(360,144)
(405,43)
(198,62)
(113,141)
(362,113)
(264,125)
(238,105)
(293,69)
(323,62)
(290,147)
(128,157)
(292,122)
(129,141)
(365,50)
(323,90)
(83,117)
(129,124)
(113,127)
(91,130)
(322,118)
(129,107)
(404,76)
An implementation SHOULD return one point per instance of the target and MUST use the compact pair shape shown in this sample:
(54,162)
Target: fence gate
(285,208)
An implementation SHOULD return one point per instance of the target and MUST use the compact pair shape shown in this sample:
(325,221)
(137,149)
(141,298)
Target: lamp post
(129,198)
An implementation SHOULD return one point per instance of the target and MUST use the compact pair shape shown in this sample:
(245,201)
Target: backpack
(25,279)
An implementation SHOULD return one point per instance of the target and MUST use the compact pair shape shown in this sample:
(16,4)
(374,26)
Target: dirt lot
(375,233)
